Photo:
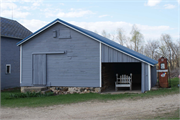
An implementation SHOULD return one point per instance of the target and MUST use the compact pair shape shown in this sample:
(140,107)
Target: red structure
(162,72)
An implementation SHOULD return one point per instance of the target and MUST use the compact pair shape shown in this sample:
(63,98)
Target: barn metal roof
(13,29)
(97,37)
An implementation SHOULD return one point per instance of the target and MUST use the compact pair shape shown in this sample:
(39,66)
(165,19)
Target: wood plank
(122,85)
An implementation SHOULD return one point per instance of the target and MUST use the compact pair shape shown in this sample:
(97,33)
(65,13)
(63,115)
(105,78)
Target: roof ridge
(14,29)
(8,18)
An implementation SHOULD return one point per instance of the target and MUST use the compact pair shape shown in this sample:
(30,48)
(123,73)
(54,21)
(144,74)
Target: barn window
(64,34)
(54,33)
(8,68)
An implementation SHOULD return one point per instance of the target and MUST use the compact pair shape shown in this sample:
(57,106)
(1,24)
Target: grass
(74,98)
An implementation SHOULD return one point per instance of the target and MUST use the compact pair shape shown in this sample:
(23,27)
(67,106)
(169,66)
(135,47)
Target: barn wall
(153,76)
(9,55)
(111,55)
(78,66)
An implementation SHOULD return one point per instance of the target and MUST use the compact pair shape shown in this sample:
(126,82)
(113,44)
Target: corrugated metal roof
(97,37)
(13,29)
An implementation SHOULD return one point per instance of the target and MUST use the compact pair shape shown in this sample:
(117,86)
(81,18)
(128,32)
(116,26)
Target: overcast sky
(152,17)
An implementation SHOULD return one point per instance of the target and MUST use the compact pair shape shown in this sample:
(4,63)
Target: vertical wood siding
(153,76)
(112,55)
(78,66)
(144,77)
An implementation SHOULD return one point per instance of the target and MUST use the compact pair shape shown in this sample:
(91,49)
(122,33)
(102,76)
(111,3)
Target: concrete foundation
(32,89)
(61,90)
(71,90)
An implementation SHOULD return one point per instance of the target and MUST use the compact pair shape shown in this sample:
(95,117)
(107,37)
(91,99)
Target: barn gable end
(69,61)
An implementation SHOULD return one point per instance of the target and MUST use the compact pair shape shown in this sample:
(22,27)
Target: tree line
(164,46)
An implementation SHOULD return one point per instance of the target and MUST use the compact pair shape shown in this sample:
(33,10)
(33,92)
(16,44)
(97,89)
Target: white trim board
(149,76)
(100,73)
(166,70)
(85,35)
(50,52)
(20,63)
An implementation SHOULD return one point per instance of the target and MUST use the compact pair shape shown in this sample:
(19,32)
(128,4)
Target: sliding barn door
(39,69)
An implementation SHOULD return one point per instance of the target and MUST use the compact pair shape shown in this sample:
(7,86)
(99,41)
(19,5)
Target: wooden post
(116,82)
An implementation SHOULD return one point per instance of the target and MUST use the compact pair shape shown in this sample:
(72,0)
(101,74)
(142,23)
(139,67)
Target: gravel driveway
(97,110)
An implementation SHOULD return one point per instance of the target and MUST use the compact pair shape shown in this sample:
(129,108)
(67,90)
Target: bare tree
(151,48)
(137,37)
(120,36)
(141,49)
(112,37)
(175,53)
(107,35)
(128,43)
(104,34)
(168,46)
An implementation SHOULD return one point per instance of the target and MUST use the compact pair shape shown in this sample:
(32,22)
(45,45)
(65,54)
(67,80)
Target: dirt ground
(98,110)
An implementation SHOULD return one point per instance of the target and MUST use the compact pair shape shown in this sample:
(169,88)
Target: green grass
(74,98)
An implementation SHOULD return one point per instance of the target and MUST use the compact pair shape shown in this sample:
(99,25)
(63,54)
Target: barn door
(39,69)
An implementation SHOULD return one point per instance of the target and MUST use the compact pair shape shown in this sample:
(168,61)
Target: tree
(107,35)
(175,48)
(120,36)
(104,34)
(166,39)
(136,38)
(128,43)
(151,48)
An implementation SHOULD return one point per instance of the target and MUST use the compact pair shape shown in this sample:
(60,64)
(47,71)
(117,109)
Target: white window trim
(100,79)
(9,68)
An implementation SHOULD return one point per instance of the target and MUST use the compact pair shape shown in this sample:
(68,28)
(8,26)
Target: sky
(152,17)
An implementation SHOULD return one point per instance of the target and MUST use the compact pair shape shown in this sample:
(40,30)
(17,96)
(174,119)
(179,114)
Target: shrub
(29,94)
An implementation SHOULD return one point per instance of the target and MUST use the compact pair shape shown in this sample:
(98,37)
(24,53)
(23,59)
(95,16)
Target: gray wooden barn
(11,32)
(62,54)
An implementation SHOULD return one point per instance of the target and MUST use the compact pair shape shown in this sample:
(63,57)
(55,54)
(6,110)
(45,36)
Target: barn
(11,33)
(62,54)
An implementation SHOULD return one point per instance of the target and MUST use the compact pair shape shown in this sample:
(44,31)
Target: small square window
(8,68)
(64,34)
(162,66)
